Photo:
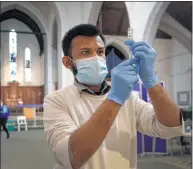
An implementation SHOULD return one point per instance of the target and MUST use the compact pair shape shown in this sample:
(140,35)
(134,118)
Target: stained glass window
(27,65)
(13,54)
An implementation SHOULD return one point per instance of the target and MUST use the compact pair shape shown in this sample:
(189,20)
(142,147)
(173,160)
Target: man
(91,125)
(5,112)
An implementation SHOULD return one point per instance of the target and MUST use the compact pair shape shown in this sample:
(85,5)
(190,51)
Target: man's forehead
(98,39)
(88,40)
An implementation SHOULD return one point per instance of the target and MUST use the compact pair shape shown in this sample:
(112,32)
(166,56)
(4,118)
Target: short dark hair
(79,30)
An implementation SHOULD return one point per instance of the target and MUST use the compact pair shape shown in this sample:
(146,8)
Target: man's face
(84,47)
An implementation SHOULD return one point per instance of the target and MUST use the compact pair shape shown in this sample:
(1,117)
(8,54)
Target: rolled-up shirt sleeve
(58,126)
(148,124)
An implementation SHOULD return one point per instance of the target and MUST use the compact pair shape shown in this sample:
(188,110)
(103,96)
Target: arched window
(13,54)
(27,65)
(113,58)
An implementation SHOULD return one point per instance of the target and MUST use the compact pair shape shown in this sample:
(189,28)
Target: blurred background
(31,67)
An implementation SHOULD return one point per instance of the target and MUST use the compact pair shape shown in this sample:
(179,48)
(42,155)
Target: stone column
(48,68)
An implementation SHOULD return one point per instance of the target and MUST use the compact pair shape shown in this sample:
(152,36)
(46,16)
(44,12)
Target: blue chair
(11,125)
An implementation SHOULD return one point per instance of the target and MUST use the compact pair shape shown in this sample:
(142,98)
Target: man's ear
(67,62)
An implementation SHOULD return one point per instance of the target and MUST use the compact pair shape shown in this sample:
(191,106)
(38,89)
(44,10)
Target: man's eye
(85,52)
(100,52)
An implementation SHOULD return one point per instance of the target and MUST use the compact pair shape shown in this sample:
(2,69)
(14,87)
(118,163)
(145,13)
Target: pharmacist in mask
(93,125)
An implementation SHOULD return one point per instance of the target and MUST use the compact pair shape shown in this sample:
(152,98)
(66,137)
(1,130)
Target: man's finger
(138,55)
(129,62)
(129,42)
(136,44)
(131,72)
(141,49)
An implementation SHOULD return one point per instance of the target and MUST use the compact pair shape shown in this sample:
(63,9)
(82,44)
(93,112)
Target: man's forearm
(167,112)
(87,139)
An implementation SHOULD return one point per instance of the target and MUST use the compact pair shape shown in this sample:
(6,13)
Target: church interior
(31,49)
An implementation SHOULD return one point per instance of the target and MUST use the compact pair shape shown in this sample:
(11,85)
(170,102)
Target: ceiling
(16,14)
(44,7)
(115,18)
(181,11)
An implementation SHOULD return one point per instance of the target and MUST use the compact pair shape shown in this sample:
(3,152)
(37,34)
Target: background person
(5,112)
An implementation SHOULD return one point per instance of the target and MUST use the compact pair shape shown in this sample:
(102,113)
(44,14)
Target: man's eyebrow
(83,48)
(101,48)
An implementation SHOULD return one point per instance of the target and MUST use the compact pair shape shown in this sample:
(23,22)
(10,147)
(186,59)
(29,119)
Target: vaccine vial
(130,37)
(130,34)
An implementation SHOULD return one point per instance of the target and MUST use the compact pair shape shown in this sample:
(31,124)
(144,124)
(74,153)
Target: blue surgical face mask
(91,71)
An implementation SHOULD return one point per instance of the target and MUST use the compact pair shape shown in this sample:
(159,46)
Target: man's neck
(95,89)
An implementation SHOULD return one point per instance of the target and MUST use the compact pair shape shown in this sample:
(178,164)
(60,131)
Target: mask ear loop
(71,59)
(74,69)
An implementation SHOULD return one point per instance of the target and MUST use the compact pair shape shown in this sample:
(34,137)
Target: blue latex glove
(123,77)
(146,56)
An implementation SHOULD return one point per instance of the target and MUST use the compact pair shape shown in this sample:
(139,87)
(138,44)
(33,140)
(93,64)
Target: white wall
(173,65)
(23,41)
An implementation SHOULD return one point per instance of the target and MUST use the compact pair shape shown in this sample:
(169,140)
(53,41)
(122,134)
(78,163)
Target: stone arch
(57,17)
(109,9)
(28,21)
(55,26)
(114,56)
(117,45)
(54,34)
(96,7)
(154,21)
(61,28)
(55,53)
(28,8)
(38,17)
(160,19)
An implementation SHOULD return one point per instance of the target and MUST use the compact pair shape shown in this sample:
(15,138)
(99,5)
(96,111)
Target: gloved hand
(123,77)
(146,56)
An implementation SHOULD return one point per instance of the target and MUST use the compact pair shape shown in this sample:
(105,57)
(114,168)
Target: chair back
(21,120)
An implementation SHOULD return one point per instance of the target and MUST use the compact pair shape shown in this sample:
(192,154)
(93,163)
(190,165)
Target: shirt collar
(105,88)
